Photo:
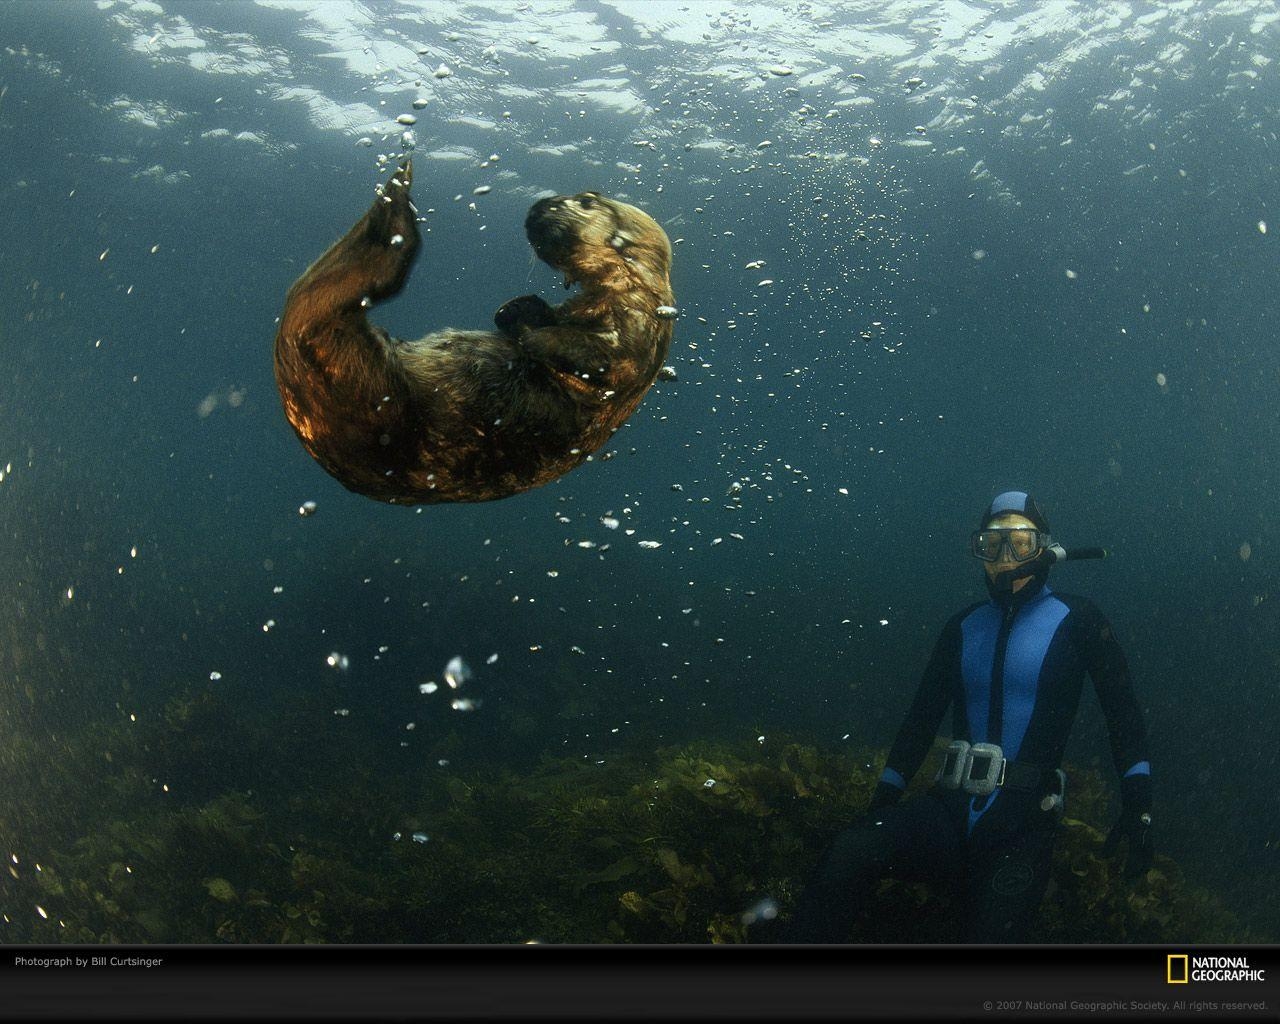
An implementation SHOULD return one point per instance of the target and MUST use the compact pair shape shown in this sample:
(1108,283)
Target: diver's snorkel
(1061,554)
(1050,555)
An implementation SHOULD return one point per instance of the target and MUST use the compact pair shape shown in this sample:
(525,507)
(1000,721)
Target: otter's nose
(548,227)
(547,204)
(541,210)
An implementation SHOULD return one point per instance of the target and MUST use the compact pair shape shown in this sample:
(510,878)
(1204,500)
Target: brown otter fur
(474,415)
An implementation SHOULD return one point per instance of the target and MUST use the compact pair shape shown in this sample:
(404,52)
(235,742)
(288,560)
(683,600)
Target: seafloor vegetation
(639,849)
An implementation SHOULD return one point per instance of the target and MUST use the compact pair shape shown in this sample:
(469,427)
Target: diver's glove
(1134,825)
(886,795)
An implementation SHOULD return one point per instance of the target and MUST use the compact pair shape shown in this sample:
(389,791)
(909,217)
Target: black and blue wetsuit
(1012,670)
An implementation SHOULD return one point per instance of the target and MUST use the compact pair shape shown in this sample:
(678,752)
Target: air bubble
(765,910)
(456,672)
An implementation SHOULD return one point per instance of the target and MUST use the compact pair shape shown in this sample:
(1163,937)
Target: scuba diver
(1012,669)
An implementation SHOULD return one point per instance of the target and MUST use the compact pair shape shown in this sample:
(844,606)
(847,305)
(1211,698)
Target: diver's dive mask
(1022,543)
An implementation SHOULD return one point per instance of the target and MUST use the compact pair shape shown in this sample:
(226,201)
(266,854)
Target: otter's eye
(587,200)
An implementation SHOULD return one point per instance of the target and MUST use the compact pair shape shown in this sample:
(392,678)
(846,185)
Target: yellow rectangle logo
(1179,974)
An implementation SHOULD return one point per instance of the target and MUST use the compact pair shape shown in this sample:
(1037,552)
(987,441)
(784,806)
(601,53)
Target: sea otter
(474,415)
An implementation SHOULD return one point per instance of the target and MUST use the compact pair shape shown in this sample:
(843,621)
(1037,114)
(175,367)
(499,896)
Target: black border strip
(628,982)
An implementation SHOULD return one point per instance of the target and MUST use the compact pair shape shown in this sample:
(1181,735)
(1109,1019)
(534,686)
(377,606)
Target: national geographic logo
(1184,968)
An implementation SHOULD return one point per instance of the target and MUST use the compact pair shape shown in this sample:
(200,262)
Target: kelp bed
(672,847)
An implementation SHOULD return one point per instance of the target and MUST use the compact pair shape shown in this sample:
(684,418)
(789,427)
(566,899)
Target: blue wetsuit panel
(978,634)
(1033,632)
(1028,642)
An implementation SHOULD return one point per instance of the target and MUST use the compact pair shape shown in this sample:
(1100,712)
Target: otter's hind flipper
(371,262)
(392,236)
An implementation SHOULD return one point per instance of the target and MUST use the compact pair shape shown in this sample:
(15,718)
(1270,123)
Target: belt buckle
(955,765)
(986,769)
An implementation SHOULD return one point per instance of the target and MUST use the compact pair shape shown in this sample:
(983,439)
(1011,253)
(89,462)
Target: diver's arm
(1109,670)
(916,734)
(1128,733)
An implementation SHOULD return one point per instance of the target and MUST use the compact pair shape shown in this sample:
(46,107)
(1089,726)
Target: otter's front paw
(527,311)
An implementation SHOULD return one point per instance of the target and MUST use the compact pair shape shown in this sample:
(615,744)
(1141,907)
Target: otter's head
(600,242)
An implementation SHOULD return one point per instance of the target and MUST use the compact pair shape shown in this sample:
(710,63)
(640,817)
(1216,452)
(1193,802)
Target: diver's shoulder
(1078,605)
(959,617)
